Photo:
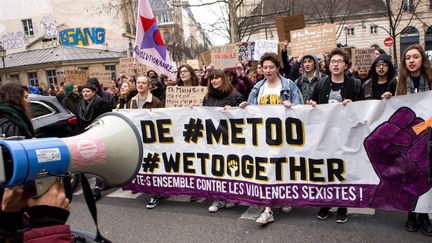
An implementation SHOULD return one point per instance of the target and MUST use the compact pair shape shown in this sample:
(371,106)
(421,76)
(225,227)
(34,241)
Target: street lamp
(2,56)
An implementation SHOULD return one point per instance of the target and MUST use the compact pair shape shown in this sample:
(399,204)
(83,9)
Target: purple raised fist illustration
(400,159)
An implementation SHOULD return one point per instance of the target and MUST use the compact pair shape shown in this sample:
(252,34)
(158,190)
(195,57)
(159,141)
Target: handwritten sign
(184,96)
(206,57)
(245,51)
(313,40)
(104,77)
(131,67)
(224,56)
(362,58)
(75,76)
(263,46)
(284,25)
(194,63)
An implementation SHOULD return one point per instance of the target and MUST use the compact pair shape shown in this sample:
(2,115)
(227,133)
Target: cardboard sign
(206,57)
(313,40)
(263,46)
(75,76)
(362,58)
(184,96)
(224,56)
(194,63)
(132,67)
(104,77)
(284,25)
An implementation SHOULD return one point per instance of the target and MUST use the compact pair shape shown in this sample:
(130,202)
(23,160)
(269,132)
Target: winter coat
(14,122)
(71,102)
(305,85)
(151,102)
(220,100)
(351,90)
(88,112)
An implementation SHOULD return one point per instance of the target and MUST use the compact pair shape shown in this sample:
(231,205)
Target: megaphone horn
(111,148)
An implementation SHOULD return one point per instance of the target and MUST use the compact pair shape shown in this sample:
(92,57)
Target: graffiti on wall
(13,40)
(48,25)
(82,36)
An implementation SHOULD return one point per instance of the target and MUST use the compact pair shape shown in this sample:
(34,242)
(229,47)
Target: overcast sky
(206,15)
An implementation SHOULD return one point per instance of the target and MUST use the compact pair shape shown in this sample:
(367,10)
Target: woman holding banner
(415,76)
(220,93)
(274,89)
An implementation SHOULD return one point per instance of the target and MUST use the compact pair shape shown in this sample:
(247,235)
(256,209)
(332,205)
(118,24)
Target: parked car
(50,118)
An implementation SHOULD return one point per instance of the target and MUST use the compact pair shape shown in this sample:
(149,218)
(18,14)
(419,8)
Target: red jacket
(57,233)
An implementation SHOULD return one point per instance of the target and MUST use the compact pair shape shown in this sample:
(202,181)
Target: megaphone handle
(42,185)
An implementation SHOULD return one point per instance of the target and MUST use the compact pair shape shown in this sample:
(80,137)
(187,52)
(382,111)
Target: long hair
(226,86)
(425,70)
(13,93)
(194,77)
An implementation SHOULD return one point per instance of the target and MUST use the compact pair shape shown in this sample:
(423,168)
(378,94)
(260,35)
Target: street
(123,218)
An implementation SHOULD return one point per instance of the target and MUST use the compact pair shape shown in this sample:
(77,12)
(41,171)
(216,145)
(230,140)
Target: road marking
(252,213)
(120,193)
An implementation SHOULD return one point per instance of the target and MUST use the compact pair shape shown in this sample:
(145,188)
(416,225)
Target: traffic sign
(388,41)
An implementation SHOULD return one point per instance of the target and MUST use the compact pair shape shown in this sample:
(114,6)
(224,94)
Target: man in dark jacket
(107,97)
(311,75)
(382,83)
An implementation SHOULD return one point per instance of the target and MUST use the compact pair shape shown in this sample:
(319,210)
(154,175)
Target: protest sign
(194,63)
(362,58)
(104,77)
(206,57)
(76,76)
(224,56)
(313,40)
(365,154)
(131,67)
(184,96)
(263,46)
(284,25)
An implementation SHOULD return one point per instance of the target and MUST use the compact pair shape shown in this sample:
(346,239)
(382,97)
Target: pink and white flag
(149,48)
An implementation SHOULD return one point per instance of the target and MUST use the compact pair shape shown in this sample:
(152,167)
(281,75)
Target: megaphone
(111,148)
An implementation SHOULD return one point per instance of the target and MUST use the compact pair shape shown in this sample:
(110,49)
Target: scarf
(86,108)
(16,115)
(422,87)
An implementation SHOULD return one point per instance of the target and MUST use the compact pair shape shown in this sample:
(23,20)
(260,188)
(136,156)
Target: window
(52,77)
(408,6)
(33,79)
(374,29)
(82,68)
(112,69)
(28,27)
(165,18)
(38,109)
(14,77)
(350,31)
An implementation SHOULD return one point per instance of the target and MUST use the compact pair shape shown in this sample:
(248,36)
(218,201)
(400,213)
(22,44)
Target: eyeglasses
(382,65)
(184,71)
(340,61)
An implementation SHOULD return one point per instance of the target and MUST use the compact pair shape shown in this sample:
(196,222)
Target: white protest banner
(362,58)
(313,40)
(364,154)
(263,46)
(184,96)
(149,48)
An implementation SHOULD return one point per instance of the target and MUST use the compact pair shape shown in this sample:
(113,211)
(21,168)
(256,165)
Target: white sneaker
(265,217)
(286,209)
(216,205)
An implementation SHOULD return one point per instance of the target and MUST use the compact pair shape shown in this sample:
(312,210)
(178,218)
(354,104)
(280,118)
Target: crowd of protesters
(306,80)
